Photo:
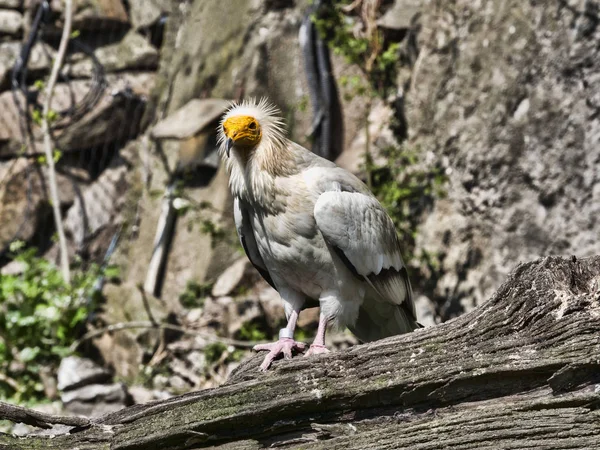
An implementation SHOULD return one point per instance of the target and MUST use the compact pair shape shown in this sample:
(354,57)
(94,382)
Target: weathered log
(521,371)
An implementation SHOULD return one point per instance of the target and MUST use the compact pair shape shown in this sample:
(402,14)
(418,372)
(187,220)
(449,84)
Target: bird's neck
(252,175)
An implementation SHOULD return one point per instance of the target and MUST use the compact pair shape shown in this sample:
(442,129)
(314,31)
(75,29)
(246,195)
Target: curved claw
(282,346)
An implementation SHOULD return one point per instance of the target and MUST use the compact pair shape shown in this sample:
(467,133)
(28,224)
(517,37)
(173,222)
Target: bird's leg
(318,345)
(284,345)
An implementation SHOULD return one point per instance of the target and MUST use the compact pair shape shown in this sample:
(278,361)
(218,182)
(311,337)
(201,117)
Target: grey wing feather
(363,236)
(248,241)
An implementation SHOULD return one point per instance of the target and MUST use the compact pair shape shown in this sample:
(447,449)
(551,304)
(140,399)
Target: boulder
(90,15)
(141,395)
(234,276)
(95,400)
(11,4)
(132,52)
(114,117)
(98,204)
(191,119)
(145,13)
(75,372)
(11,23)
(400,15)
(39,61)
(24,206)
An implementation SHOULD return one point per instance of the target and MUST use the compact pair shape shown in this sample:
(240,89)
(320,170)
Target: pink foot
(282,346)
(316,349)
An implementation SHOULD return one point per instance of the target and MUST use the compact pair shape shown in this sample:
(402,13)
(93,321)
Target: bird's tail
(378,319)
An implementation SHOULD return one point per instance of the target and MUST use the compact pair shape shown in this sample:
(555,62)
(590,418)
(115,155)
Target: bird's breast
(294,250)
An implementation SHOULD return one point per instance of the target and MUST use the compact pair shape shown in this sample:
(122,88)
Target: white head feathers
(252,170)
(266,114)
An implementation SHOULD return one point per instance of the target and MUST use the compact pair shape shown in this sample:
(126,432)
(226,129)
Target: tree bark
(521,371)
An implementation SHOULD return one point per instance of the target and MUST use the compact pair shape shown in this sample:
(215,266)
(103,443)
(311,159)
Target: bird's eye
(252,126)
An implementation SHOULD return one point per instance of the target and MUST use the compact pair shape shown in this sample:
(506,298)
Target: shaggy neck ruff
(252,172)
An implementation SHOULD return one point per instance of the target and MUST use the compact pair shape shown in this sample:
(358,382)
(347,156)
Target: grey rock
(512,118)
(13,268)
(23,215)
(144,13)
(116,116)
(160,382)
(11,4)
(425,311)
(11,22)
(39,60)
(226,315)
(185,371)
(109,393)
(98,204)
(133,52)
(193,316)
(400,15)
(95,400)
(232,277)
(178,384)
(91,15)
(75,372)
(197,360)
(141,395)
(21,429)
(190,119)
(95,409)
(216,314)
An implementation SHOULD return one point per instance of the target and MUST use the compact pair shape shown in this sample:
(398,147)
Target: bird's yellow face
(242,131)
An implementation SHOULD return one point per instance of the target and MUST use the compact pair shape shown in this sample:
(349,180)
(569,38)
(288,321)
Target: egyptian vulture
(315,233)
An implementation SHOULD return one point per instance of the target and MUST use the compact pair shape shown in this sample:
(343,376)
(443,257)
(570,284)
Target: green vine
(376,57)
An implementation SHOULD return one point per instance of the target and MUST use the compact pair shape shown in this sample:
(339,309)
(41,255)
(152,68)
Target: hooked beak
(228,145)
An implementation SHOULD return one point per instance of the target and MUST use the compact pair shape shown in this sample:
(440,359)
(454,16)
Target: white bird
(314,231)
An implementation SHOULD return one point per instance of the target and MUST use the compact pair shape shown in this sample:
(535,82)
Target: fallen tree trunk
(518,372)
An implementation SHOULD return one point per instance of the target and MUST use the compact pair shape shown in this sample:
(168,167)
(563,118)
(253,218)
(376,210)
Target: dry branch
(38,419)
(521,371)
(58,61)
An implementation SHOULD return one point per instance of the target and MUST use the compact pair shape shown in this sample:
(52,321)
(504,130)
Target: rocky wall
(98,103)
(504,96)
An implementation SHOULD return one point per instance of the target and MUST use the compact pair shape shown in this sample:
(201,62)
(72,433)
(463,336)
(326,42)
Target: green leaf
(52,116)
(112,272)
(36,116)
(56,155)
(39,85)
(28,354)
(15,246)
(40,316)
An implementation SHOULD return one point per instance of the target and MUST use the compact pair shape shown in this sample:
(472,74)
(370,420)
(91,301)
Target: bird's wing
(357,227)
(248,241)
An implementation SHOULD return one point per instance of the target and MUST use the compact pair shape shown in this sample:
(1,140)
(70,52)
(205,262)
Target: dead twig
(62,49)
(8,380)
(147,305)
(164,326)
(18,414)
